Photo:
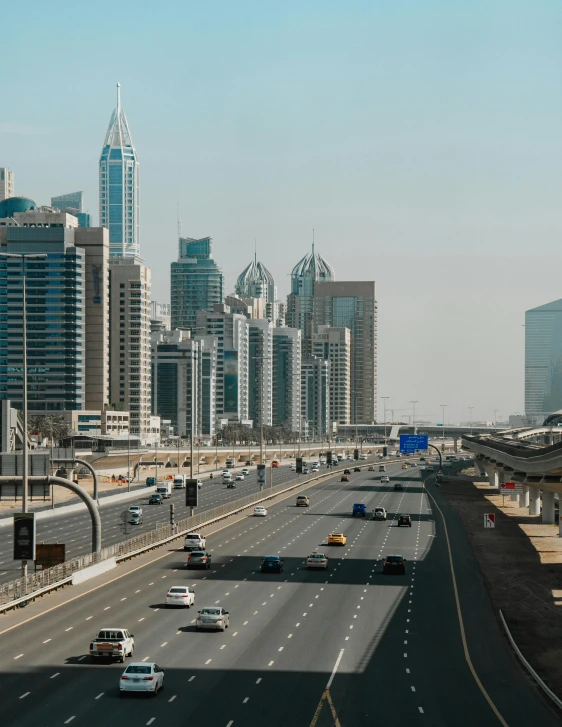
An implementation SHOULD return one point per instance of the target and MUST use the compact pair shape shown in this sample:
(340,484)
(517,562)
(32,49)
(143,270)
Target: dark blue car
(272,564)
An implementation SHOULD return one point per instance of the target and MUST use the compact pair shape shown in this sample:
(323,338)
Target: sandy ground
(521,561)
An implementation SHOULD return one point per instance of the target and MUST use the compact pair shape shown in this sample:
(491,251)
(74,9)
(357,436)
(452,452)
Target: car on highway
(136,508)
(156,500)
(371,468)
(357,469)
(385,479)
(199,559)
(404,520)
(248,463)
(305,470)
(398,486)
(344,478)
(379,513)
(245,471)
(317,560)
(404,466)
(239,477)
(413,464)
(293,467)
(151,481)
(347,471)
(260,511)
(194,541)
(359,509)
(303,501)
(135,518)
(394,564)
(180,596)
(112,643)
(337,539)
(214,618)
(146,677)
(272,564)
(276,463)
(230,485)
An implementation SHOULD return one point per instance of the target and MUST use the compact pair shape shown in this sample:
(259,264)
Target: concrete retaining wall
(93,571)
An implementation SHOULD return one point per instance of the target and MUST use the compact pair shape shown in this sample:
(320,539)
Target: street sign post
(511,488)
(490,520)
(24,536)
(298,467)
(410,443)
(261,476)
(191,493)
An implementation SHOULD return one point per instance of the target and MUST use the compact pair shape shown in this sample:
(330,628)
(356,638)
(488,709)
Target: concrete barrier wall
(93,571)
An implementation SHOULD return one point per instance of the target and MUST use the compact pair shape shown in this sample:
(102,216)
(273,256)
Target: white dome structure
(255,281)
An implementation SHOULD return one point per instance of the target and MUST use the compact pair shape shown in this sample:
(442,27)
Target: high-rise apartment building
(232,333)
(334,345)
(67,311)
(307,272)
(184,380)
(119,186)
(543,360)
(196,282)
(352,305)
(315,401)
(73,203)
(260,371)
(255,281)
(287,377)
(130,380)
(160,319)
(7,188)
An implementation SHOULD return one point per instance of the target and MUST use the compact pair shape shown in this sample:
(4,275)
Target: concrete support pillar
(525,499)
(515,497)
(560,527)
(493,475)
(534,500)
(547,507)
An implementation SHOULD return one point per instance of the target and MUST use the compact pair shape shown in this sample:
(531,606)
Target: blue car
(359,510)
(272,564)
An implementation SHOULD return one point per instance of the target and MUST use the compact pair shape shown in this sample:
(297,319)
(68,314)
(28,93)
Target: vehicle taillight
(186,596)
(91,647)
(387,562)
(126,679)
(203,559)
(147,679)
(120,647)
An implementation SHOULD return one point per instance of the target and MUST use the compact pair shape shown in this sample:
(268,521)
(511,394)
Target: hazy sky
(421,140)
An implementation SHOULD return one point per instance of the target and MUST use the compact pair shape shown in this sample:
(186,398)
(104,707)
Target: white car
(214,618)
(225,472)
(135,509)
(379,513)
(293,467)
(260,511)
(385,478)
(180,596)
(239,477)
(317,560)
(144,676)
(245,471)
(194,541)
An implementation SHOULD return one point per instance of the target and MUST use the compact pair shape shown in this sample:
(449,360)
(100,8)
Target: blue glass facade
(55,320)
(543,360)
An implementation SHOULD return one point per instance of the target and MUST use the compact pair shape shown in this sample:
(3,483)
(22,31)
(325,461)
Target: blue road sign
(411,442)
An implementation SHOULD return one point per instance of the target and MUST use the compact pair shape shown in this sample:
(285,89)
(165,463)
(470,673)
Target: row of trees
(238,433)
(52,427)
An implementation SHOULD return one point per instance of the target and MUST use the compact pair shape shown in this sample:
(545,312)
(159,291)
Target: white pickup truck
(112,644)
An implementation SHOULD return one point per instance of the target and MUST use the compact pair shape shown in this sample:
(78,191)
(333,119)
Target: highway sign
(490,520)
(48,555)
(511,488)
(191,493)
(24,536)
(412,442)
(261,475)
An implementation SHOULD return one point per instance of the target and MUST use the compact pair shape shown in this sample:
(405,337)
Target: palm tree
(48,426)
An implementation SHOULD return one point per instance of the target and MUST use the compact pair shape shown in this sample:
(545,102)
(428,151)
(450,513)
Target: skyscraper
(197,281)
(260,360)
(255,281)
(119,186)
(287,377)
(334,345)
(352,305)
(543,360)
(6,183)
(73,204)
(315,403)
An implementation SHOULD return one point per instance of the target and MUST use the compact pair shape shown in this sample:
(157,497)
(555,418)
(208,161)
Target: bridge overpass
(376,432)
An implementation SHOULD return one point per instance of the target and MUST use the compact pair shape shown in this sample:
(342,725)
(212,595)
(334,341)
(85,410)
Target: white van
(179,482)
(164,489)
(226,478)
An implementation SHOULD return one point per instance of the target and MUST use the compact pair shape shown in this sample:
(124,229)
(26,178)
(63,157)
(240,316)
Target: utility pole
(443,420)
(414,416)
(129,461)
(384,398)
(470,408)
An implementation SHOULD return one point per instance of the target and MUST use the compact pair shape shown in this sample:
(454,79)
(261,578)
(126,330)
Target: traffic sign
(511,488)
(412,442)
(489,519)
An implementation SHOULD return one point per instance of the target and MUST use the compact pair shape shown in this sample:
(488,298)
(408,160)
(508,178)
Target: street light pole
(384,398)
(129,461)
(443,420)
(414,417)
(496,417)
(470,408)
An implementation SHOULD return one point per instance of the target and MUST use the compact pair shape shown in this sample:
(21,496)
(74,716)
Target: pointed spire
(118,98)
(255,251)
(313,242)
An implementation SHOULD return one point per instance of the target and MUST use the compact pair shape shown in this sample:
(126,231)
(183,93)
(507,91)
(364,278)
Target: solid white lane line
(334,670)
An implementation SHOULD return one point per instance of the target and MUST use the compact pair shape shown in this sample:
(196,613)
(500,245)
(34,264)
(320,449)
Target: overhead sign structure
(191,493)
(490,520)
(511,488)
(410,443)
(24,536)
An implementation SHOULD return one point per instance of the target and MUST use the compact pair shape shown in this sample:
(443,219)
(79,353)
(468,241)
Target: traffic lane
(104,685)
(514,693)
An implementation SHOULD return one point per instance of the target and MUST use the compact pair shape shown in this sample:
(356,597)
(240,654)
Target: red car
(344,478)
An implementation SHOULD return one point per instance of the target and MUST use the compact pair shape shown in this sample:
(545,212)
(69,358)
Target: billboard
(191,493)
(299,465)
(355,454)
(24,536)
(48,555)
(328,458)
(261,475)
(230,375)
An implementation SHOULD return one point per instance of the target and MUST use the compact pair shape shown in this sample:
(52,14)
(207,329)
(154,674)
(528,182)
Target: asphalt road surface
(388,647)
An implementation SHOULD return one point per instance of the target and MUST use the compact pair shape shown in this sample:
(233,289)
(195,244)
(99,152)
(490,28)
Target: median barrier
(94,570)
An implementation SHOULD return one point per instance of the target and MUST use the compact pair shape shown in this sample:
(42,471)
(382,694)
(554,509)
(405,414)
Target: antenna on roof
(313,242)
(178,218)
(255,251)
(118,98)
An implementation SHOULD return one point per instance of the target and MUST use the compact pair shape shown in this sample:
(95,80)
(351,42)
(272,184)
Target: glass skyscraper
(543,360)
(73,203)
(119,186)
(197,282)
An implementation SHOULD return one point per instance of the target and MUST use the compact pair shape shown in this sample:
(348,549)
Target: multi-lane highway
(74,528)
(346,647)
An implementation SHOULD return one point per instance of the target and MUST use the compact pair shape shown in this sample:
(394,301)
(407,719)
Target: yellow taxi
(337,539)
(404,466)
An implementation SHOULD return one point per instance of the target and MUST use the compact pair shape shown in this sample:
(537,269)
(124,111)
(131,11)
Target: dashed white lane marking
(191,679)
(55,675)
(100,695)
(208,661)
(19,656)
(46,641)
(258,681)
(421,710)
(141,619)
(146,658)
(89,617)
(270,663)
(70,719)
(23,696)
(172,697)
(69,628)
(413,689)
(151,720)
(230,723)
(245,700)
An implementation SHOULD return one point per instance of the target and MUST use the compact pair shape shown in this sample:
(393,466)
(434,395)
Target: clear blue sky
(421,139)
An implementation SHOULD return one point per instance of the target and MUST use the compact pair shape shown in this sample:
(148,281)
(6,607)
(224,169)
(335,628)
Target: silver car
(214,618)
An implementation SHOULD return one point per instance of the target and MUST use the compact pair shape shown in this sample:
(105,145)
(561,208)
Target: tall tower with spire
(119,186)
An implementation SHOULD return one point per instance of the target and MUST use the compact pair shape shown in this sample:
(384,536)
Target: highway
(74,529)
(388,646)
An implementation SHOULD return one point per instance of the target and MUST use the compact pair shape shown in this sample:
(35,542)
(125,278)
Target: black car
(347,471)
(357,469)
(272,564)
(230,486)
(394,564)
(404,520)
(248,462)
(156,500)
(398,486)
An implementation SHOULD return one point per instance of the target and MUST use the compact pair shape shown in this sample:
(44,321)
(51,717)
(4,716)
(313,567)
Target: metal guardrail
(23,589)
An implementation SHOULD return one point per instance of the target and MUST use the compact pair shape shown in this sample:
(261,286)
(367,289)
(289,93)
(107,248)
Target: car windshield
(394,558)
(210,611)
(379,509)
(271,557)
(138,669)
(318,556)
(193,536)
(178,590)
